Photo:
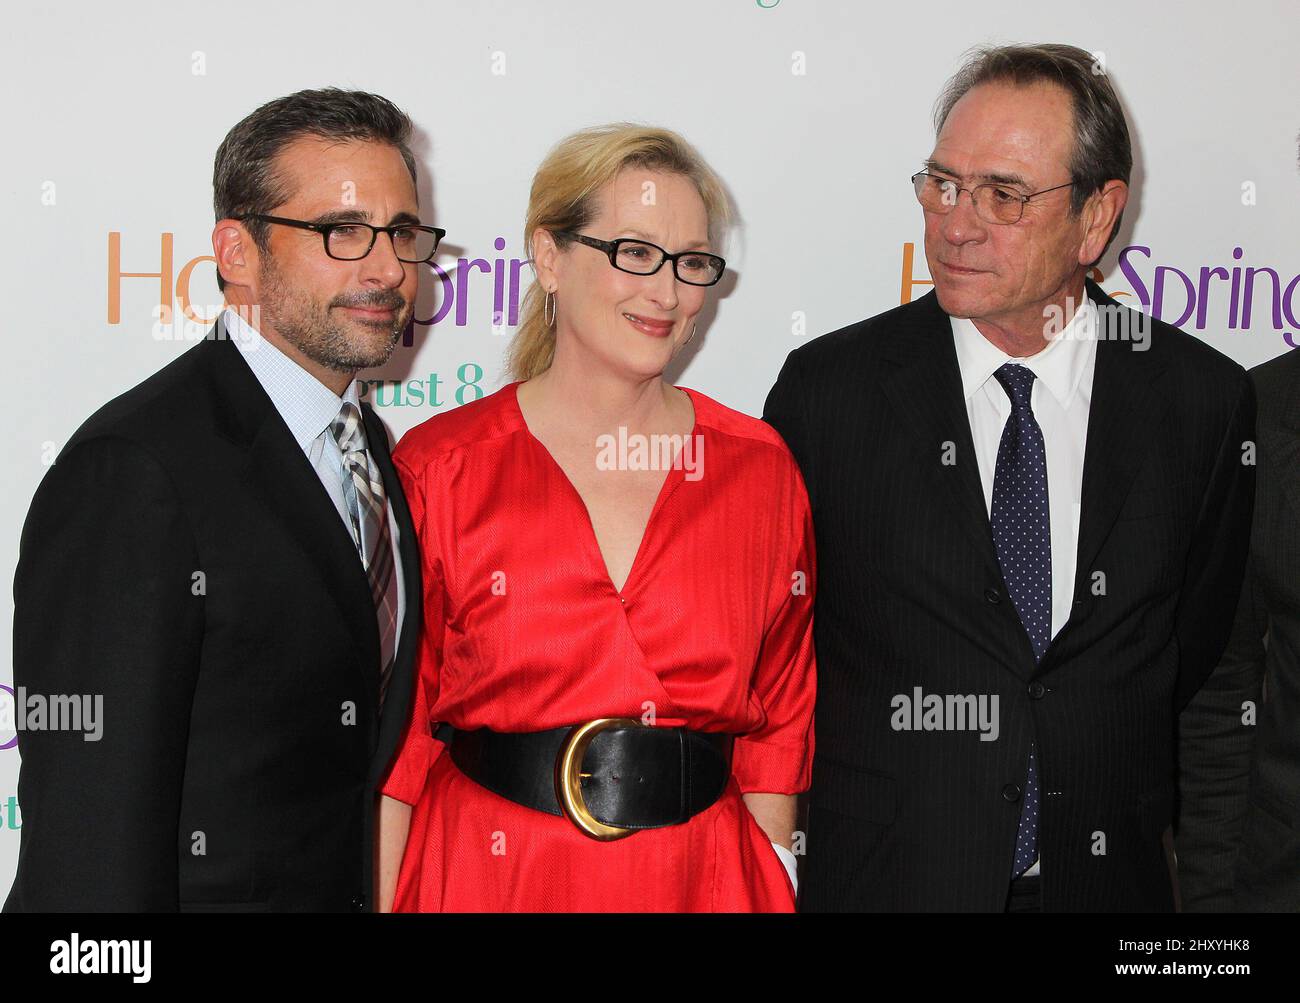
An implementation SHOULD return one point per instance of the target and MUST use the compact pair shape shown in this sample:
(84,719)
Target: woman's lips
(654,328)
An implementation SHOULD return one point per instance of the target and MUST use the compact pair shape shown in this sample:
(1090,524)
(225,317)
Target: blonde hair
(563,197)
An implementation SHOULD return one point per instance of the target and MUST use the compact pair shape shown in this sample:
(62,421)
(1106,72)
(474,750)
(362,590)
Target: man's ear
(544,253)
(1100,212)
(235,251)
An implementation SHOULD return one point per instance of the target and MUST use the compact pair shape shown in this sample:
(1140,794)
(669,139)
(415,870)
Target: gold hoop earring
(548,310)
(688,340)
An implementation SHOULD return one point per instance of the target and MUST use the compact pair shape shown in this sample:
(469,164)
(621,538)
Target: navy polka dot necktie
(1023,540)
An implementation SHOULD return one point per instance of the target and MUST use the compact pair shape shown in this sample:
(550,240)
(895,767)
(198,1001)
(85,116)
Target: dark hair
(243,174)
(1102,150)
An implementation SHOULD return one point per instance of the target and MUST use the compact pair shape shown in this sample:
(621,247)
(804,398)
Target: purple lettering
(1203,293)
(1234,297)
(462,282)
(1157,303)
(1249,296)
(1130,273)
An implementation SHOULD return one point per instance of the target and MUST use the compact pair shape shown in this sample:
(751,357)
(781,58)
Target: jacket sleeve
(108,615)
(1221,671)
(1216,559)
(418,749)
(1216,736)
(784,410)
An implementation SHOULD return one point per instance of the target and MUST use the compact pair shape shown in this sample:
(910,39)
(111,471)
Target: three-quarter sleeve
(418,748)
(777,757)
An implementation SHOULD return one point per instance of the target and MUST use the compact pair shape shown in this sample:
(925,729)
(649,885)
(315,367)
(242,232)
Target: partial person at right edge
(1239,834)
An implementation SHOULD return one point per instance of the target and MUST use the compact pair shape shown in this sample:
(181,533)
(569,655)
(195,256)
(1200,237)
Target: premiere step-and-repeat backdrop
(814,112)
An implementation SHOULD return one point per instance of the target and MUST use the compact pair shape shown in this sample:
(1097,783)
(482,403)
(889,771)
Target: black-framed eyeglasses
(352,241)
(996,204)
(640,257)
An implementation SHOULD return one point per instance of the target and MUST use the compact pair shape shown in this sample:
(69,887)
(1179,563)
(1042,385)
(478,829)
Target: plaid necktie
(1023,540)
(363,488)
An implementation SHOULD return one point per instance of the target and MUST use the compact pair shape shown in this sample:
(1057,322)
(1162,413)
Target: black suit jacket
(182,560)
(1241,770)
(910,594)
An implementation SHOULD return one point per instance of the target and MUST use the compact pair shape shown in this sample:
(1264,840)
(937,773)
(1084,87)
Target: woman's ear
(544,254)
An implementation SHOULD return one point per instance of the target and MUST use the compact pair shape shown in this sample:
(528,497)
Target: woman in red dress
(597,543)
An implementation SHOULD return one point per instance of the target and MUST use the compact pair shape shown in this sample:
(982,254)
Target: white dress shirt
(791,863)
(309,407)
(1060,400)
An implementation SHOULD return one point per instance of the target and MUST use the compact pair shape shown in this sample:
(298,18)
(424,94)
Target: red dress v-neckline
(675,475)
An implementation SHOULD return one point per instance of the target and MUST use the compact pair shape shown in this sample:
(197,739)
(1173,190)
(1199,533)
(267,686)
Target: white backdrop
(815,112)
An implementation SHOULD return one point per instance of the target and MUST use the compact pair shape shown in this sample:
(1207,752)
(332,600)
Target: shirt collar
(1060,366)
(304,402)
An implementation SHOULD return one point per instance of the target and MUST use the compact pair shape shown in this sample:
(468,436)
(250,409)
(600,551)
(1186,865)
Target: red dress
(524,631)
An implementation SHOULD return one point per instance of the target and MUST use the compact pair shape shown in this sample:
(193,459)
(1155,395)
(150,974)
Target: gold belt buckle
(568,778)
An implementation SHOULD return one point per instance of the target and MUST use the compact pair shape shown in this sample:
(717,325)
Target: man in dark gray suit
(223,557)
(1239,833)
(1027,499)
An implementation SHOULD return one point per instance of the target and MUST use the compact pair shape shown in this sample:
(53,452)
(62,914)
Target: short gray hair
(1102,149)
(243,174)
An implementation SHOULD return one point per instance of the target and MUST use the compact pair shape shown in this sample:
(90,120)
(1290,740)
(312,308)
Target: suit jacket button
(358,903)
(1037,690)
(993,596)
(1011,793)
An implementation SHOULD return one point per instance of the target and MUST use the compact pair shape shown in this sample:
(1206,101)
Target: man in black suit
(1239,829)
(223,556)
(1030,504)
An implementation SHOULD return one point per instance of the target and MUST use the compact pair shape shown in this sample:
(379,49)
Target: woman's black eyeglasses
(640,257)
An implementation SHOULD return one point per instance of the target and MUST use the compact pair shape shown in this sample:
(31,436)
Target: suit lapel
(1126,401)
(397,704)
(278,471)
(925,389)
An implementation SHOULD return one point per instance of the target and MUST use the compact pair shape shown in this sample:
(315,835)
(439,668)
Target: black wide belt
(610,777)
